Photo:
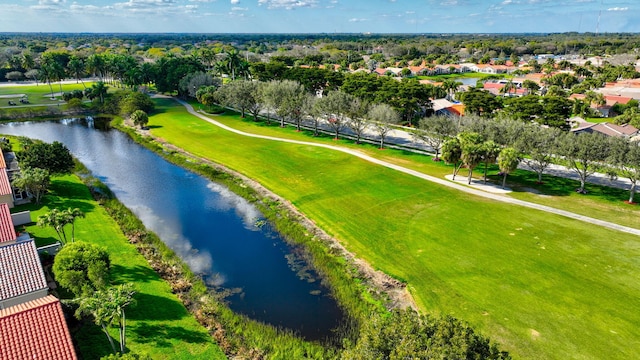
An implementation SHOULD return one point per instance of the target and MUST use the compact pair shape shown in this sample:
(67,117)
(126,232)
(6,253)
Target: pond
(217,233)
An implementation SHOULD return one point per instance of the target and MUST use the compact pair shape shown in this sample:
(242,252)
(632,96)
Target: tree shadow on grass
(89,339)
(161,334)
(66,194)
(153,307)
(133,274)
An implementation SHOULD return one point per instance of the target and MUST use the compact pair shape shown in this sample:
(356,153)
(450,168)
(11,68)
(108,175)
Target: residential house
(21,276)
(35,330)
(445,107)
(7,232)
(607,129)
(6,192)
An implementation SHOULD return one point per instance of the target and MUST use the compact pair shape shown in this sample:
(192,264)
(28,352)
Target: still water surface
(210,227)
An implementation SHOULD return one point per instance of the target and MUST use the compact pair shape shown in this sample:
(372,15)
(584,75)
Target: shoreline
(396,292)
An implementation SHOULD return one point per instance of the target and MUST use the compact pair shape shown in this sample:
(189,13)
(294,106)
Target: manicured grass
(601,202)
(37,94)
(158,325)
(542,285)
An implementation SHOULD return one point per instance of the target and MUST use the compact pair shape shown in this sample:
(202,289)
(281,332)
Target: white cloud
(618,9)
(237,8)
(49,5)
(287,4)
(144,4)
(235,2)
(357,20)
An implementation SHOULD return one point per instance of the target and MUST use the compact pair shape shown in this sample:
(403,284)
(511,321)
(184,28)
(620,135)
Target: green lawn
(542,285)
(601,202)
(159,324)
(37,94)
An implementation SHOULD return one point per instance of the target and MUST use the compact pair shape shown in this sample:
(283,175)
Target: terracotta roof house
(6,191)
(35,330)
(7,232)
(21,276)
(617,99)
(607,129)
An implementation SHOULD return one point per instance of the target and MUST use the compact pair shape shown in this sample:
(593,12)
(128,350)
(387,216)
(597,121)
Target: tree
(452,154)
(526,108)
(625,160)
(531,86)
(94,306)
(357,121)
(584,152)
(335,109)
(14,76)
(508,161)
(56,220)
(97,91)
(404,334)
(594,98)
(130,101)
(34,181)
(54,157)
(239,94)
(190,83)
(434,131)
(140,118)
(285,97)
(383,118)
(491,150)
(473,150)
(556,110)
(82,268)
(33,74)
(70,218)
(257,95)
(540,144)
(480,102)
(76,67)
(451,87)
(107,307)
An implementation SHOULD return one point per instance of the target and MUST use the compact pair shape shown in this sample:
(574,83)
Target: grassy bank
(159,325)
(544,286)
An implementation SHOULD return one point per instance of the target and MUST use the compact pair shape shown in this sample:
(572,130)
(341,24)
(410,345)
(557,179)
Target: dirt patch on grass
(380,283)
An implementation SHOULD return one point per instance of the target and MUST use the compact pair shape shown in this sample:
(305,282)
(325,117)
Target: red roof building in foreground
(35,330)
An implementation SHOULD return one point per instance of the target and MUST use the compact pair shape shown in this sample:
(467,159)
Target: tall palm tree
(76,67)
(233,62)
(451,87)
(54,218)
(70,218)
(99,90)
(46,74)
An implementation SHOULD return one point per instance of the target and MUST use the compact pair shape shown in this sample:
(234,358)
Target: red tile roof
(5,185)
(20,270)
(7,232)
(35,330)
(613,99)
(3,164)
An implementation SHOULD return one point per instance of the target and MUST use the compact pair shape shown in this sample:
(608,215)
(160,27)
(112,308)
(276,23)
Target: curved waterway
(212,229)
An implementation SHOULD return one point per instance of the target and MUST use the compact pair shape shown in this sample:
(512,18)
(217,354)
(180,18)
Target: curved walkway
(418,174)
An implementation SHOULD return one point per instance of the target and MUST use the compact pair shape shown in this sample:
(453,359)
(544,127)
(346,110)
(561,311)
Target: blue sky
(319,16)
